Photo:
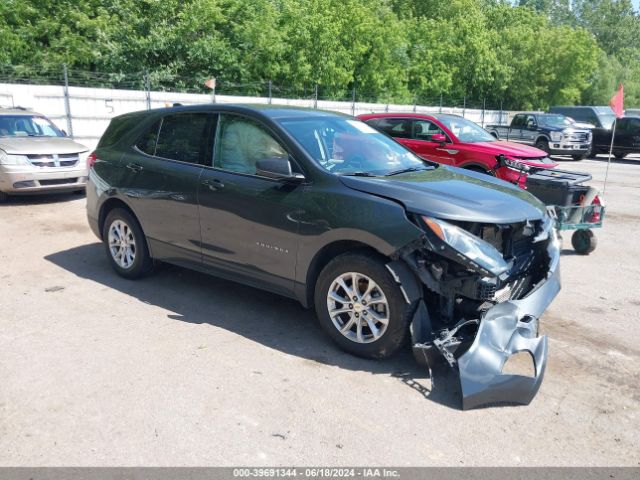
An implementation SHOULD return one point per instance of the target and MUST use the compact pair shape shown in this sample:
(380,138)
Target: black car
(322,208)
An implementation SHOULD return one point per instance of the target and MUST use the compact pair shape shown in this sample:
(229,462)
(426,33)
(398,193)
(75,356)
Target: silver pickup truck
(551,132)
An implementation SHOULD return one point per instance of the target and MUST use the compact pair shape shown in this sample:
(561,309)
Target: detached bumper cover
(506,329)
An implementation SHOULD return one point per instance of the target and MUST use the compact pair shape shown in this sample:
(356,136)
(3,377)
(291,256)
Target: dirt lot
(185,369)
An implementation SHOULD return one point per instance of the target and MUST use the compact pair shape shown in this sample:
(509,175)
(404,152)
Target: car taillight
(91,159)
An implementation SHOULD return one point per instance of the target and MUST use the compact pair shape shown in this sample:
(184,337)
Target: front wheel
(361,307)
(584,241)
(126,245)
(543,145)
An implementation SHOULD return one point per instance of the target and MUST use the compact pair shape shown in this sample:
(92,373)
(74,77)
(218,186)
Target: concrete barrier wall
(92,108)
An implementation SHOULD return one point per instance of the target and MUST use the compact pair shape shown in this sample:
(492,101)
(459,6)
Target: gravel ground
(185,369)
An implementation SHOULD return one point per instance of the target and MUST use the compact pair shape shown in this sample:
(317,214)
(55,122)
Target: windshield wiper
(358,174)
(409,169)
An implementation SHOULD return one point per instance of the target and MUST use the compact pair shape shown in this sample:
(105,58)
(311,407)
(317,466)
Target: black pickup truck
(553,133)
(627,138)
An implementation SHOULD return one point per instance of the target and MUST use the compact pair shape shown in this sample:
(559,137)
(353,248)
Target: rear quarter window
(118,127)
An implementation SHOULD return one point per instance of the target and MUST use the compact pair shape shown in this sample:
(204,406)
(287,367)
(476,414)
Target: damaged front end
(482,290)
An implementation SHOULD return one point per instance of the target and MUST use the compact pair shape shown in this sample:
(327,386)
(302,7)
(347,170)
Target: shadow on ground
(271,320)
(40,199)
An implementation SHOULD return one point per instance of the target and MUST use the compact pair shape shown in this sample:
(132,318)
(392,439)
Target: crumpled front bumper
(506,329)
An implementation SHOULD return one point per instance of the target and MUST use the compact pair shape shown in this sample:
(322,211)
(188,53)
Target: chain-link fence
(82,102)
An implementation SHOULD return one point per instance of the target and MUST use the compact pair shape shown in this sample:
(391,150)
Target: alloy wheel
(358,307)
(122,244)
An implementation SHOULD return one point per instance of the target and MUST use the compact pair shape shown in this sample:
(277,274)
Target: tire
(3,197)
(619,155)
(584,241)
(542,144)
(136,261)
(384,301)
(580,157)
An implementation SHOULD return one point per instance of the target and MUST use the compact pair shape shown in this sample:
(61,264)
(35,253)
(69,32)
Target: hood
(454,194)
(40,145)
(510,149)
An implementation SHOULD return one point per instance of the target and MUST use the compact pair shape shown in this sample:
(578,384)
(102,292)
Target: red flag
(617,102)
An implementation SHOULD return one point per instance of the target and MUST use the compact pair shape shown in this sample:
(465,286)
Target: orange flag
(617,102)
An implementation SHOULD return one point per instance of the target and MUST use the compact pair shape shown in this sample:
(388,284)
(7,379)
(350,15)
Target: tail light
(91,159)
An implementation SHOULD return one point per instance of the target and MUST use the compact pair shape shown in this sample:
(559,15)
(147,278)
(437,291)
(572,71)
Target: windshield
(606,120)
(555,120)
(466,130)
(27,126)
(350,147)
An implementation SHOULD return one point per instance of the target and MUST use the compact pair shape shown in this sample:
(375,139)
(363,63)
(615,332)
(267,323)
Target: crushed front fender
(506,329)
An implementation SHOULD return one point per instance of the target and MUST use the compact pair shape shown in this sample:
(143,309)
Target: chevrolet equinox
(322,208)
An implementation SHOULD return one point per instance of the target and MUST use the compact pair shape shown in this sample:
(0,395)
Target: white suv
(36,156)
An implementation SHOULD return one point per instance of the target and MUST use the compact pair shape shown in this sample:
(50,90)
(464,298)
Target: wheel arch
(544,137)
(109,205)
(325,255)
(476,167)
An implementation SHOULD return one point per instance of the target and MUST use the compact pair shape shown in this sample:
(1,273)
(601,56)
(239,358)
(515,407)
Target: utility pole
(269,92)
(315,97)
(147,88)
(353,101)
(67,103)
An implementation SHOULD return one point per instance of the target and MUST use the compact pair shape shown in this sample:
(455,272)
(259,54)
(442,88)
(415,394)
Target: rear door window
(185,137)
(395,127)
(518,121)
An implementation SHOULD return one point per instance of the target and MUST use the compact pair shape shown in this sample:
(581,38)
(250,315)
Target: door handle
(213,184)
(135,167)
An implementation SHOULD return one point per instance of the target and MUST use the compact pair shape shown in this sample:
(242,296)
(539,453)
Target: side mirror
(439,138)
(531,124)
(279,169)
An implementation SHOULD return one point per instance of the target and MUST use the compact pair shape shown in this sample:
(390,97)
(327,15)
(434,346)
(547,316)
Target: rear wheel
(361,307)
(543,145)
(584,241)
(126,245)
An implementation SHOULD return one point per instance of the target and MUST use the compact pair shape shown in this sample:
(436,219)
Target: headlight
(472,247)
(516,165)
(6,159)
(556,136)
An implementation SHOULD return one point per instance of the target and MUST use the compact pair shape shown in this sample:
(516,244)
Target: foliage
(533,55)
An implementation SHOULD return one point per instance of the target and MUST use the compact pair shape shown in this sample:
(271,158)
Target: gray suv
(36,156)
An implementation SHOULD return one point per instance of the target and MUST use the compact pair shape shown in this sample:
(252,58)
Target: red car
(454,140)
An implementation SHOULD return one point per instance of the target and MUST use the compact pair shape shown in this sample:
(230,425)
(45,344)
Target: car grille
(62,181)
(580,137)
(54,161)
